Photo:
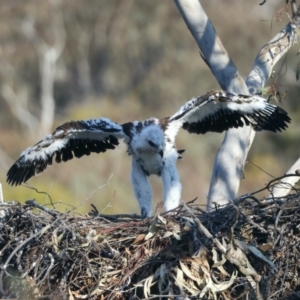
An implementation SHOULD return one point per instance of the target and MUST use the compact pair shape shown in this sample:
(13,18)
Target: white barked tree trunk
(232,154)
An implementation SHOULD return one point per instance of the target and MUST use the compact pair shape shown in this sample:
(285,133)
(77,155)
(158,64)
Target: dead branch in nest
(248,248)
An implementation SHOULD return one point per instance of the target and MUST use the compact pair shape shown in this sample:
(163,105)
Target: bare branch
(261,71)
(18,109)
(5,160)
(286,184)
(271,53)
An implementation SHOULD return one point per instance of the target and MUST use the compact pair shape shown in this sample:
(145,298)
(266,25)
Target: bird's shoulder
(135,127)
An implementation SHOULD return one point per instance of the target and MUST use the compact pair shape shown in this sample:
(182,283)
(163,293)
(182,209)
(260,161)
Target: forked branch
(230,159)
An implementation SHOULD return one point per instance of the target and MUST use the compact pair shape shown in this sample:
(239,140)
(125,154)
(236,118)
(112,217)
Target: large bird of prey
(151,143)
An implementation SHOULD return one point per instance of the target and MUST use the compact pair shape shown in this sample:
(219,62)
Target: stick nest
(248,249)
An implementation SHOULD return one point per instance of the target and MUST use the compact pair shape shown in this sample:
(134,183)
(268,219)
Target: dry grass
(249,248)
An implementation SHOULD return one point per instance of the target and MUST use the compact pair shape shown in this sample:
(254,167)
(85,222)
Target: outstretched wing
(218,111)
(75,138)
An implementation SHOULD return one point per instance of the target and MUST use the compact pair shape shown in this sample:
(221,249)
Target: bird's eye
(152,144)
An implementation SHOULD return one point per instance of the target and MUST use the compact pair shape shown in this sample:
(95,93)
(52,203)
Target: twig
(203,229)
(285,271)
(24,243)
(39,192)
(41,207)
(274,180)
(260,168)
(118,216)
(48,270)
(91,194)
(245,197)
(183,297)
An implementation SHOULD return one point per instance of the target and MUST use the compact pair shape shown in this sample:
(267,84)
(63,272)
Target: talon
(180,151)
(144,213)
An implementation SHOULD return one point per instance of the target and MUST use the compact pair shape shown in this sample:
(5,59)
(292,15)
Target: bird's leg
(142,189)
(171,182)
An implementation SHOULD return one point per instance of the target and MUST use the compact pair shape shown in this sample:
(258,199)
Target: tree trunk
(231,157)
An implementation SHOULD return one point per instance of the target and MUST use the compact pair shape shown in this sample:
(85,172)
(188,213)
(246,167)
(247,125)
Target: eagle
(150,143)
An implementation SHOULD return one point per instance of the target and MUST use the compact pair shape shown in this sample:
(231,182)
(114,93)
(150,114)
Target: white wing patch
(71,139)
(218,111)
(44,148)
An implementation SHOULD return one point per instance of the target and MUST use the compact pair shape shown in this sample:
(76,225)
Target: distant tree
(48,56)
(49,48)
(231,157)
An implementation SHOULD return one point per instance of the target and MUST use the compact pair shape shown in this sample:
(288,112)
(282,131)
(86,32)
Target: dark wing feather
(75,138)
(218,111)
(220,121)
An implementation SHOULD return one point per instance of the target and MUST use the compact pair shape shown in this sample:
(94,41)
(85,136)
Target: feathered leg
(171,182)
(142,189)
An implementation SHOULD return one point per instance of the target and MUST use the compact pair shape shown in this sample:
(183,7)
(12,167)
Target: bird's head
(153,140)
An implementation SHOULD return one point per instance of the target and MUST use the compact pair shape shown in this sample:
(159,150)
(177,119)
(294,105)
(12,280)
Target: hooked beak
(161,153)
(157,148)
